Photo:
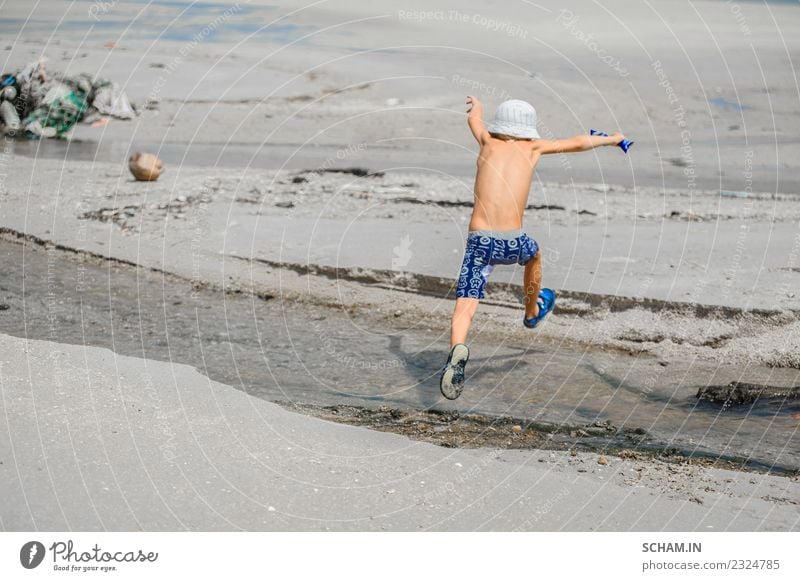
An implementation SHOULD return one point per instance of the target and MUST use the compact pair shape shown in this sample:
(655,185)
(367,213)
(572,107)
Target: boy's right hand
(618,137)
(473,103)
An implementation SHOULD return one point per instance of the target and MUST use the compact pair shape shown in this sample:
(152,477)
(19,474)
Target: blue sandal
(546,301)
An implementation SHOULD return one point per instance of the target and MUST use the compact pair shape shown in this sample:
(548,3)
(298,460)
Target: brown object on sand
(602,460)
(145,167)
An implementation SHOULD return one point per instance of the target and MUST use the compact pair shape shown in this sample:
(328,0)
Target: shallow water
(176,20)
(281,351)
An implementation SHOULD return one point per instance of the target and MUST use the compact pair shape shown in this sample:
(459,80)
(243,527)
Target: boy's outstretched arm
(577,143)
(475,119)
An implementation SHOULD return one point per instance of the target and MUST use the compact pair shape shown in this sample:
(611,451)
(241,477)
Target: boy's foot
(452,382)
(546,302)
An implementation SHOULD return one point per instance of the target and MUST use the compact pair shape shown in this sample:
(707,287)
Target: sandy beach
(156,446)
(253,341)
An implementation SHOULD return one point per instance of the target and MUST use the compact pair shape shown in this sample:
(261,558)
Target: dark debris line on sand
(741,393)
(451,429)
(470,204)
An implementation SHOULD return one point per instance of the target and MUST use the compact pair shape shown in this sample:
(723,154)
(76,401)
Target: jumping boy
(509,150)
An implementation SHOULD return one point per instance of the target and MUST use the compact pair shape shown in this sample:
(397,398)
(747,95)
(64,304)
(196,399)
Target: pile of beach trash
(37,104)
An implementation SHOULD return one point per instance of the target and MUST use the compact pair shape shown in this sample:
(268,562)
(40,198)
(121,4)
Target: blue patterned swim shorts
(485,249)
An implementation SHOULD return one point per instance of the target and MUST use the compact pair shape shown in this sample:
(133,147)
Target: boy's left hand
(473,103)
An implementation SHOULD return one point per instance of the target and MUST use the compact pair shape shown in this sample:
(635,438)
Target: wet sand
(308,351)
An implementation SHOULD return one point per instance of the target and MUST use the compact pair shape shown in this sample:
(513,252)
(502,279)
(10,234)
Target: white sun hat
(515,118)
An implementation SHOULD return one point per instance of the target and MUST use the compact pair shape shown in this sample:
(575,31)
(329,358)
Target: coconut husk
(145,167)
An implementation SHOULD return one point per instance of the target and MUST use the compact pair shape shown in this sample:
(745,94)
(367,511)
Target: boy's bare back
(502,182)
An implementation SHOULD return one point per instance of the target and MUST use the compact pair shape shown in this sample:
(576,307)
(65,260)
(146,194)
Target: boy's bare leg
(462,319)
(533,284)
